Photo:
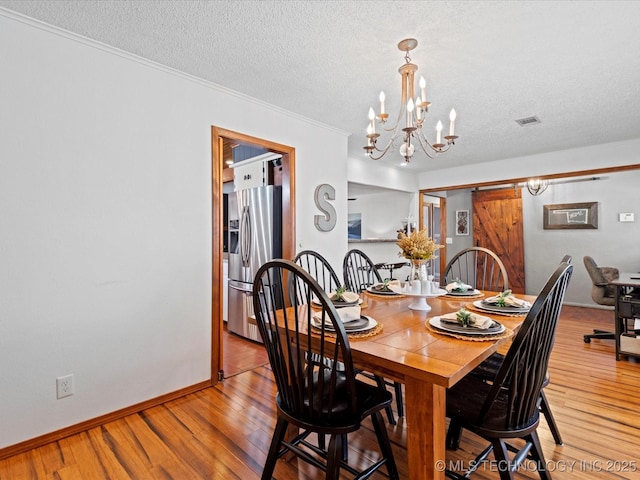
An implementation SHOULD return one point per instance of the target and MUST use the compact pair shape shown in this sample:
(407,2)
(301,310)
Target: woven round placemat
(355,335)
(471,338)
(472,307)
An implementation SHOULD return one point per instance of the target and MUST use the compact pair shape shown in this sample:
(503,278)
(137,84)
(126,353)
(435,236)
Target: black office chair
(479,267)
(601,293)
(360,272)
(507,406)
(322,397)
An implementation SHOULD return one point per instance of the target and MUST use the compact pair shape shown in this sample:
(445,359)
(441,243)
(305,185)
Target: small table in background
(391,267)
(627,318)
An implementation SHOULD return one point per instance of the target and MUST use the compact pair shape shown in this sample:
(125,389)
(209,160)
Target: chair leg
(345,448)
(389,409)
(333,457)
(551,421)
(600,334)
(538,456)
(454,432)
(501,453)
(399,401)
(385,445)
(274,449)
(322,444)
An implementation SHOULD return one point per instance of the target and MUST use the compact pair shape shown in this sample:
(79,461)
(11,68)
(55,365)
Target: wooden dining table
(427,363)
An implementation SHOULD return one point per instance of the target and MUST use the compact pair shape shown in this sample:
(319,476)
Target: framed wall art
(571,216)
(462,222)
(354,227)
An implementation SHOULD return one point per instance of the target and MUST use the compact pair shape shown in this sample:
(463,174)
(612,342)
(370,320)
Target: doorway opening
(433,217)
(222,144)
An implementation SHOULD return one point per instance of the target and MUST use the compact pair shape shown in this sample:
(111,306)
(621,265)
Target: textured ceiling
(573,64)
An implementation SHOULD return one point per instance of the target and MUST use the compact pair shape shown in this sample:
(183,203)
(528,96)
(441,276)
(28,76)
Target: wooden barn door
(497,225)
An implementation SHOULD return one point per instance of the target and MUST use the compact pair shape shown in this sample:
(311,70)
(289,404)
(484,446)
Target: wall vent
(523,122)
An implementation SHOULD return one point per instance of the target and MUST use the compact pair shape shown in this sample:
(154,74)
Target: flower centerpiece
(417,245)
(418,248)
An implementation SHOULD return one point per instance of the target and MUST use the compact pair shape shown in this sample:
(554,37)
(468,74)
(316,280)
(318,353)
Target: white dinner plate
(316,303)
(378,292)
(494,329)
(466,293)
(362,324)
(495,308)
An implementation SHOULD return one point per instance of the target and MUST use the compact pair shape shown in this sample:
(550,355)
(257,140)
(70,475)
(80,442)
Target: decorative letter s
(323,193)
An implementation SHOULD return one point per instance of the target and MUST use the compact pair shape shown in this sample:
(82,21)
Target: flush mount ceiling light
(536,186)
(408,126)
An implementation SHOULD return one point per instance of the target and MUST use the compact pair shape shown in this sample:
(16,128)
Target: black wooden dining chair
(506,407)
(322,272)
(322,397)
(479,267)
(319,268)
(489,369)
(359,272)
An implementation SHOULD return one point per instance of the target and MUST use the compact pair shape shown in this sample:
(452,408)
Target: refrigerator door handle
(240,288)
(245,235)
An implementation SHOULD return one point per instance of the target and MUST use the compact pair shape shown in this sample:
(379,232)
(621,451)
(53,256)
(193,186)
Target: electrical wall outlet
(64,386)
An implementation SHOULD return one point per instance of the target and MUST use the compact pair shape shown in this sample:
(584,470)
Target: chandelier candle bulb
(410,107)
(418,109)
(439,131)
(452,118)
(372,120)
(423,85)
(382,103)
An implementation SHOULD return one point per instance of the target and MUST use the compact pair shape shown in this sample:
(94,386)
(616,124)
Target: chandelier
(536,186)
(408,126)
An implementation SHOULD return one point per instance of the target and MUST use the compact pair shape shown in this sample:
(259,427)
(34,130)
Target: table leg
(425,417)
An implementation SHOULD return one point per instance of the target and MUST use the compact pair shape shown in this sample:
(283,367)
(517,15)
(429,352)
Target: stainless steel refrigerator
(255,229)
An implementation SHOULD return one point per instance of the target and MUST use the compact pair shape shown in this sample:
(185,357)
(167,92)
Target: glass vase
(419,277)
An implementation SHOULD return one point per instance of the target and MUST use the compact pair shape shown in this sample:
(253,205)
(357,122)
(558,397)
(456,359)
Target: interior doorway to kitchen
(222,141)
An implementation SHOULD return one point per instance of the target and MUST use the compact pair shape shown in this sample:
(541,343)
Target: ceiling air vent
(523,122)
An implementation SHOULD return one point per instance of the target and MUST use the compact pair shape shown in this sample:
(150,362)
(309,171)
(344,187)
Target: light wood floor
(241,354)
(224,432)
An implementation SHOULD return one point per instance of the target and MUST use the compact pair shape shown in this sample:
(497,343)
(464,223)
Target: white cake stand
(420,302)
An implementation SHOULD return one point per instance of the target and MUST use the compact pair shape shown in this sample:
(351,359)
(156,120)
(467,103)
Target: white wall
(562,161)
(383,213)
(613,243)
(458,200)
(382,216)
(368,172)
(105,201)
